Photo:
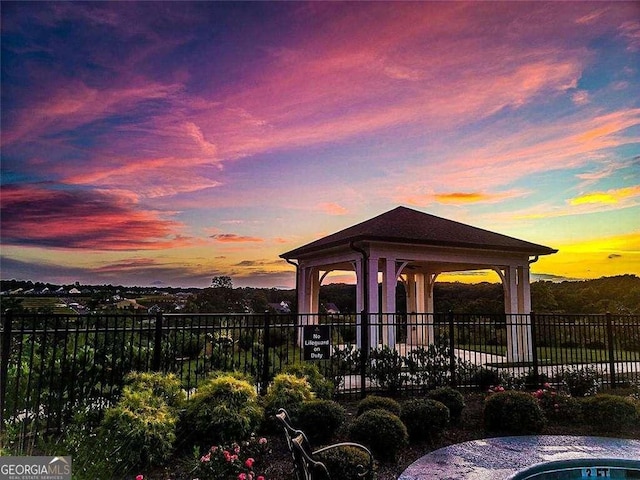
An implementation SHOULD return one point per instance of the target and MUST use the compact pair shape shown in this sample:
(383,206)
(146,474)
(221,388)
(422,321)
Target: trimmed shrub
(321,387)
(288,392)
(222,410)
(342,463)
(580,381)
(513,412)
(424,418)
(140,431)
(320,419)
(452,398)
(162,385)
(485,378)
(609,413)
(559,407)
(235,374)
(382,431)
(373,402)
(387,368)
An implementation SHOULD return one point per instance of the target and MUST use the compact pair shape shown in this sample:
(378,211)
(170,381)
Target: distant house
(129,304)
(74,291)
(282,307)
(331,308)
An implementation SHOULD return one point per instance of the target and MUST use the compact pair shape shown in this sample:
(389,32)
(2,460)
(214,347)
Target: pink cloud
(332,208)
(331,84)
(76,219)
(460,198)
(234,238)
(569,143)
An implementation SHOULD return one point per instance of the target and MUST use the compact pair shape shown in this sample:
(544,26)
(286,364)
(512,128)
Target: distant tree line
(619,294)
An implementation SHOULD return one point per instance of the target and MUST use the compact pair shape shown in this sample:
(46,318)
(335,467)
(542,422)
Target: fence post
(157,343)
(612,353)
(534,351)
(5,345)
(452,355)
(264,381)
(364,351)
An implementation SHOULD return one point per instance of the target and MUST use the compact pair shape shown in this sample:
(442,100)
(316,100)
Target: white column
(303,300)
(314,293)
(303,275)
(360,284)
(524,290)
(430,281)
(415,285)
(412,293)
(372,302)
(389,282)
(518,329)
(359,266)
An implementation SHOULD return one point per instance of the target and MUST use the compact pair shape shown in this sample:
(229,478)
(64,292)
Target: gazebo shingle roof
(408,226)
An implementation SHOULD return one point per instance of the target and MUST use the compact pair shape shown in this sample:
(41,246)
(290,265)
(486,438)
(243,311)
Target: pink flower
(236,449)
(262,441)
(242,476)
(214,449)
(546,385)
(227,455)
(260,477)
(139,477)
(205,458)
(249,462)
(233,458)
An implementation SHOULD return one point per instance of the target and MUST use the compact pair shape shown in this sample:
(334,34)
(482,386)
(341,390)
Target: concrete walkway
(499,458)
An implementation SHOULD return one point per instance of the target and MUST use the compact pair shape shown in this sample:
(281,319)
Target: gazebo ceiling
(407,226)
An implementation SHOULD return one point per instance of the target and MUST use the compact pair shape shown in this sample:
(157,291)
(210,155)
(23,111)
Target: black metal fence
(53,365)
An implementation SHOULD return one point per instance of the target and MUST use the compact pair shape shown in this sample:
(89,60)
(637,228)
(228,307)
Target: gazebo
(416,247)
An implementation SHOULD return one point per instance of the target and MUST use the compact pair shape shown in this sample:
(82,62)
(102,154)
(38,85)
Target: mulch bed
(468,428)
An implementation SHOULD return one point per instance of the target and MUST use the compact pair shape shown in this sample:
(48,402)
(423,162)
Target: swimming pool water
(581,469)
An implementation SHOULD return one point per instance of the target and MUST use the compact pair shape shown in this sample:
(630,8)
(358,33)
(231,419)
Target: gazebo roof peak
(407,226)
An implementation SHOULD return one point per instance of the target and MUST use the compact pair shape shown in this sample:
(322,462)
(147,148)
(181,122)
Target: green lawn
(562,355)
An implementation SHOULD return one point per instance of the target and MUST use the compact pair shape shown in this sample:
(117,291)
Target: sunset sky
(162,143)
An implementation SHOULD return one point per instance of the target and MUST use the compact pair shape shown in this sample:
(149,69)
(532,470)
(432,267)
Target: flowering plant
(232,462)
(556,404)
(495,389)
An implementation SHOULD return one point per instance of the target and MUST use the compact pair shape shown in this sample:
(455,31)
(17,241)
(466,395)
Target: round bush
(320,419)
(321,387)
(140,431)
(425,419)
(513,412)
(609,413)
(163,385)
(580,381)
(373,402)
(345,463)
(560,408)
(452,398)
(382,431)
(485,378)
(288,392)
(223,409)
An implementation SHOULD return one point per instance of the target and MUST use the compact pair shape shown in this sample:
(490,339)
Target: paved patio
(499,458)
